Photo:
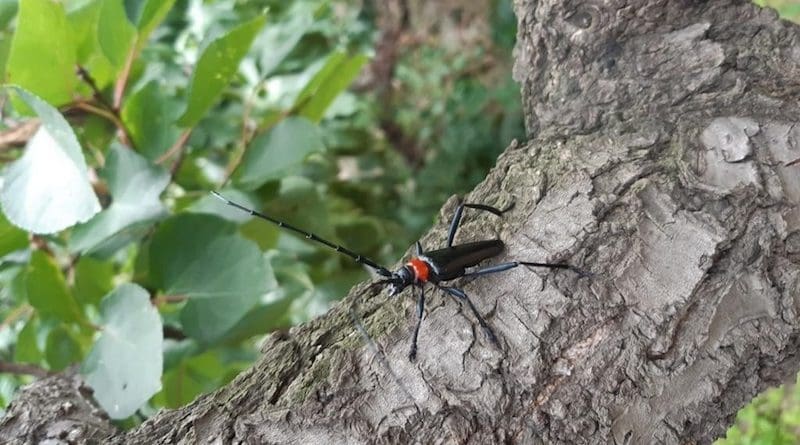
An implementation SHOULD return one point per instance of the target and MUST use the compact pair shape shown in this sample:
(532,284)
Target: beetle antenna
(360,259)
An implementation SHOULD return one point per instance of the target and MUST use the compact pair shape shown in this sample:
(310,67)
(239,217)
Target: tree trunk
(660,131)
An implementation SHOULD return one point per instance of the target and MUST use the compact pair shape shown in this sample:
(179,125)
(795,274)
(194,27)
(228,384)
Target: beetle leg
(460,295)
(506,266)
(451,235)
(412,354)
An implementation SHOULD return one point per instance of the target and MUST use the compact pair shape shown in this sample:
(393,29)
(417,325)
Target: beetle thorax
(420,269)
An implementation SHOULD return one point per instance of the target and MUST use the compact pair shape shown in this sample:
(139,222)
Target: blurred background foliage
(352,119)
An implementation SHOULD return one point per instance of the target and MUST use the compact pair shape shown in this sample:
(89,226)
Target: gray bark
(659,134)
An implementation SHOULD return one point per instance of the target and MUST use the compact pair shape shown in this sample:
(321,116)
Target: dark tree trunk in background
(659,136)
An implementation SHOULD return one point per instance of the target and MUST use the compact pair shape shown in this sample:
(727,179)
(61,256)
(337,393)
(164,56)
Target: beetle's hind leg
(460,296)
(510,265)
(412,354)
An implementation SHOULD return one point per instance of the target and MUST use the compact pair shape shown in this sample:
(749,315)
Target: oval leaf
(215,68)
(93,280)
(279,152)
(84,23)
(115,32)
(202,256)
(209,319)
(336,75)
(279,38)
(150,118)
(124,366)
(27,349)
(62,349)
(152,13)
(42,57)
(135,185)
(48,189)
(48,291)
(11,238)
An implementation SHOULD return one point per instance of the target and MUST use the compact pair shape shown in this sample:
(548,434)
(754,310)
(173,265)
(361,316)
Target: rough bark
(58,408)
(659,136)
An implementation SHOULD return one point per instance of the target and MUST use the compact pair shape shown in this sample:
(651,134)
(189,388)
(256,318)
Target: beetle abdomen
(450,262)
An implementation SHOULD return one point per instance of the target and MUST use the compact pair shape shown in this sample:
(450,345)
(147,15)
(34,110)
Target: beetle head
(400,280)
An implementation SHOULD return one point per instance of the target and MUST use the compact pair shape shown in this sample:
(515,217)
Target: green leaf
(132,178)
(261,319)
(195,375)
(12,286)
(11,238)
(8,10)
(152,13)
(42,57)
(278,39)
(115,32)
(62,349)
(124,366)
(150,117)
(84,24)
(47,290)
(5,49)
(176,351)
(279,152)
(299,201)
(208,319)
(215,68)
(48,189)
(93,279)
(336,75)
(202,256)
(27,348)
(182,385)
(135,184)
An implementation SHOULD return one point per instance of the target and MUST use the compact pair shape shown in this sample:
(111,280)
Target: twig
(176,148)
(113,116)
(268,125)
(173,333)
(19,135)
(245,139)
(108,114)
(166,299)
(89,80)
(24,368)
(173,169)
(124,133)
(40,243)
(124,75)
(23,311)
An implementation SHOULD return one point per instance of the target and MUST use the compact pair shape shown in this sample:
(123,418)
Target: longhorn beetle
(434,266)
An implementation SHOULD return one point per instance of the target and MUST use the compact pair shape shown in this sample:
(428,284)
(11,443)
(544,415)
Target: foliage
(114,256)
(772,418)
(788,9)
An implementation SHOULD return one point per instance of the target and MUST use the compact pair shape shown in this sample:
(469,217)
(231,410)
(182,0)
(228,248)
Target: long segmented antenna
(360,259)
